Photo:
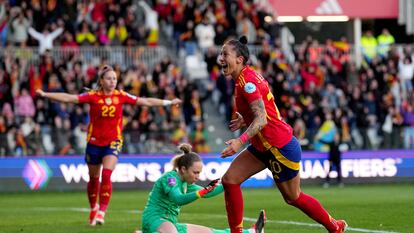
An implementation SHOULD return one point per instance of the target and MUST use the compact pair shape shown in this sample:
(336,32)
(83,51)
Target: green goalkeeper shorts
(151,223)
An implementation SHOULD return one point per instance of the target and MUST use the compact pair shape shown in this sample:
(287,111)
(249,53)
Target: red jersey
(106,115)
(251,86)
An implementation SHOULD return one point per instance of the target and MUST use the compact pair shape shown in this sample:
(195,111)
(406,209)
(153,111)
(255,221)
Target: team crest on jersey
(108,101)
(249,87)
(116,100)
(172,181)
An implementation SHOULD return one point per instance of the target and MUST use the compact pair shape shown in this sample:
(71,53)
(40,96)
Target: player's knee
(230,179)
(289,201)
(291,198)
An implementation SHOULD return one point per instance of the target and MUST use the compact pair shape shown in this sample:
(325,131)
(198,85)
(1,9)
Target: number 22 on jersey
(108,111)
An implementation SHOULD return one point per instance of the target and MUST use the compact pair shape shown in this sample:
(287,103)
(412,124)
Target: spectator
(24,104)
(299,131)
(61,136)
(20,144)
(5,88)
(179,135)
(221,35)
(133,137)
(205,34)
(187,39)
(69,45)
(35,141)
(80,134)
(199,138)
(245,26)
(19,26)
(118,33)
(369,46)
(406,67)
(151,23)
(334,160)
(325,133)
(140,35)
(385,40)
(46,38)
(85,36)
(4,149)
(387,128)
(3,24)
(102,34)
(397,126)
(408,115)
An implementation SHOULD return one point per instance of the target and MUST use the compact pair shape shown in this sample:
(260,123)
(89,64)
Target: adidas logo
(329,7)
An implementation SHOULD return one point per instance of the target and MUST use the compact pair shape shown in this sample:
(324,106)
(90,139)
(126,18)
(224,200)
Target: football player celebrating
(273,145)
(104,134)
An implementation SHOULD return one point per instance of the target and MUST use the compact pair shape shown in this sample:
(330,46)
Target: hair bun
(243,40)
(185,147)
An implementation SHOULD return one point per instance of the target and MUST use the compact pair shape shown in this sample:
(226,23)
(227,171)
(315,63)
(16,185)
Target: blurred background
(335,66)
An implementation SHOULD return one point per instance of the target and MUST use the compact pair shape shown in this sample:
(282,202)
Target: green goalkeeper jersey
(170,193)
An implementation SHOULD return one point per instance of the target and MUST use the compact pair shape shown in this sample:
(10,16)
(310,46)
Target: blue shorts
(284,163)
(95,154)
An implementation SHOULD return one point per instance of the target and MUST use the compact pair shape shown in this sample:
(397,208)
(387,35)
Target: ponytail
(186,159)
(240,46)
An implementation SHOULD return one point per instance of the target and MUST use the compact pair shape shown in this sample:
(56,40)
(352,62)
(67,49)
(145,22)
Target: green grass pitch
(367,208)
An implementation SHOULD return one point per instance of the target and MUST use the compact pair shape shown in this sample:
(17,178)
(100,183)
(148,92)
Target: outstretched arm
(143,101)
(195,192)
(58,96)
(259,121)
(35,34)
(56,33)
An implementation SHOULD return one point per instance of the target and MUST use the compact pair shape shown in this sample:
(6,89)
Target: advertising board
(141,171)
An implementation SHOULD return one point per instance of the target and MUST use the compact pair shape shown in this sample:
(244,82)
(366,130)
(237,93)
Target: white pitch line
(220,216)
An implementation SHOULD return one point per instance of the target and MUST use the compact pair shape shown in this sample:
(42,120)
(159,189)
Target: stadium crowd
(319,92)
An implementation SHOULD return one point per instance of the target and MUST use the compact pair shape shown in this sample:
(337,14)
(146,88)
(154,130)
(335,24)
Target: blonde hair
(186,159)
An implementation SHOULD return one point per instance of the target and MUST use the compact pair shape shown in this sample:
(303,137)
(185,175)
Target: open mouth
(224,67)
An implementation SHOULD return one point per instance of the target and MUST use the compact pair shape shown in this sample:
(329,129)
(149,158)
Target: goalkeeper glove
(208,188)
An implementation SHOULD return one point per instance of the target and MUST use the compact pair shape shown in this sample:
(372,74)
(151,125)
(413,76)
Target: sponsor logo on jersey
(250,87)
(172,181)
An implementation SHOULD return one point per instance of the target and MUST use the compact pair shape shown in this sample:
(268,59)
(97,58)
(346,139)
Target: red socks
(234,206)
(309,205)
(93,189)
(315,210)
(106,189)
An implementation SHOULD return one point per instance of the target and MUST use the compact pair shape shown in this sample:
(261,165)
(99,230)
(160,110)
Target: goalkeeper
(175,189)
